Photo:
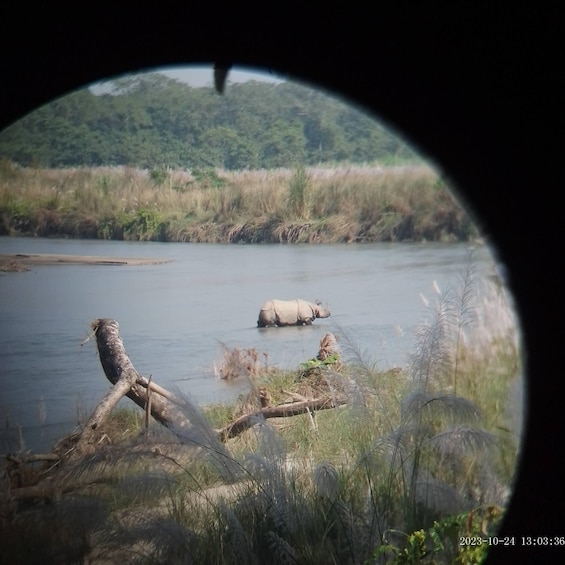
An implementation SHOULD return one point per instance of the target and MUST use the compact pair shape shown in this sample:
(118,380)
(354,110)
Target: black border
(474,86)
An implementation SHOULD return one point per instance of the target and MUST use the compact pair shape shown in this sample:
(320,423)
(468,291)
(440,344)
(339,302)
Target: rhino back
(286,311)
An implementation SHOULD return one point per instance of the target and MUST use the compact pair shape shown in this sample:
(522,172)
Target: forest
(150,121)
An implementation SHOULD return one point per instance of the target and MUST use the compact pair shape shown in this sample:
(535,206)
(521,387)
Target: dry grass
(238,363)
(303,205)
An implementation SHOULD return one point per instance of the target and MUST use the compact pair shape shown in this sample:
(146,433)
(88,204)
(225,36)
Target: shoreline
(19,261)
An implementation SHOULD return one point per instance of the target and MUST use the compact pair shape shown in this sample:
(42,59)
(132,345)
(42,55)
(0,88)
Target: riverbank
(324,205)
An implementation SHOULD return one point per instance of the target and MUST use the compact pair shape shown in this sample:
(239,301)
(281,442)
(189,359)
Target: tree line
(151,121)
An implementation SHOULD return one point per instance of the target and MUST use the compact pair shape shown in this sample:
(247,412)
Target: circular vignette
(481,106)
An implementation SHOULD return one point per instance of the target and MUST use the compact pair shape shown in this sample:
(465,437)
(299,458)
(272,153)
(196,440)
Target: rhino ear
(318,302)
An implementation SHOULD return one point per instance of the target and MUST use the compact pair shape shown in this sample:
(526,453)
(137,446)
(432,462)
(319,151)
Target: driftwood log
(155,400)
(163,405)
(120,371)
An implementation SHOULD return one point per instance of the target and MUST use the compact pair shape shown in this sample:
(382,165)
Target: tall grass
(417,457)
(304,205)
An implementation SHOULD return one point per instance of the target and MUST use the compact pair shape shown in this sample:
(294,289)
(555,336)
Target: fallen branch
(153,387)
(300,397)
(105,466)
(50,488)
(31,457)
(246,421)
(295,395)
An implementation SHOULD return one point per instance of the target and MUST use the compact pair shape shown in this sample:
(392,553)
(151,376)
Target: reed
(302,205)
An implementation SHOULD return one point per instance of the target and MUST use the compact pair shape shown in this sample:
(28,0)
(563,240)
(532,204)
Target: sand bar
(52,259)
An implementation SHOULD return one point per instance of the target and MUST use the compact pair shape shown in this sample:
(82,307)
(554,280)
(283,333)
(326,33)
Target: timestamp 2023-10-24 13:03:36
(527,541)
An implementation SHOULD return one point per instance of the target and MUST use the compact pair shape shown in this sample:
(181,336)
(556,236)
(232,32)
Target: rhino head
(321,311)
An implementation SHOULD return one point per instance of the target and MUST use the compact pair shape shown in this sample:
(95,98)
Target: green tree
(227,150)
(150,120)
(282,145)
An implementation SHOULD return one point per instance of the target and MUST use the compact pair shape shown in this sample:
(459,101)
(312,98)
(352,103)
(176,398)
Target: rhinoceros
(290,313)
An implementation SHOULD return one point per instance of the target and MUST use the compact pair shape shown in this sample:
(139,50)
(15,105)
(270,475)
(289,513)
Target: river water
(176,317)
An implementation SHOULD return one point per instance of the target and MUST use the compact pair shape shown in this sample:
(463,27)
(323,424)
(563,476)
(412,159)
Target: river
(176,317)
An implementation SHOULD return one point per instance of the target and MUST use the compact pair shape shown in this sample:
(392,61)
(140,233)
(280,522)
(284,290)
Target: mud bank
(20,261)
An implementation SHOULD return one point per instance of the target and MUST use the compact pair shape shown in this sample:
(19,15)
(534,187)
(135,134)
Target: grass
(339,204)
(418,456)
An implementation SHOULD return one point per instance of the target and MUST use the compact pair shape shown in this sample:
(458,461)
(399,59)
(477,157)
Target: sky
(204,76)
(197,76)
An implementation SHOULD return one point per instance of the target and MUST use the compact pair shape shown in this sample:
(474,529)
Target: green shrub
(145,224)
(208,178)
(299,194)
(159,176)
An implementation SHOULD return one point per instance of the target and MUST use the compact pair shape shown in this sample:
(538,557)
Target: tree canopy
(151,121)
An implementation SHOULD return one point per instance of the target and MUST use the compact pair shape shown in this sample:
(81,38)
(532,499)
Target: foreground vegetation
(417,457)
(341,204)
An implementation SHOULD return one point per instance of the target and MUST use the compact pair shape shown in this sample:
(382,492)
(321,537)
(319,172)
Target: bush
(208,178)
(159,176)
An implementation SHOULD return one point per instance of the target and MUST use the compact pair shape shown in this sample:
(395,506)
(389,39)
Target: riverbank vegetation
(301,205)
(415,458)
(145,157)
